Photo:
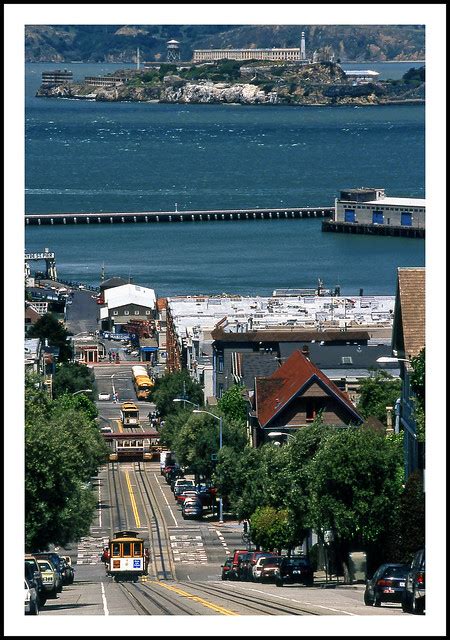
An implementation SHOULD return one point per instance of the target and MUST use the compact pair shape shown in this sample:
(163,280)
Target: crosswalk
(90,549)
(188,548)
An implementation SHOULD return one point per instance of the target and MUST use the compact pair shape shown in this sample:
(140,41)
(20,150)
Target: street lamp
(82,391)
(184,400)
(219,418)
(279,434)
(389,360)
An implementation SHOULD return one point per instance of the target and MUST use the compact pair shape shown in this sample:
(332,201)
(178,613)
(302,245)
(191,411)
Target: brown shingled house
(408,339)
(294,395)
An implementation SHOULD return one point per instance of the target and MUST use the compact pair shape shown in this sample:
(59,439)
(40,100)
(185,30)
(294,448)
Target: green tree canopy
(63,450)
(48,327)
(378,391)
(175,385)
(233,404)
(271,529)
(355,484)
(71,377)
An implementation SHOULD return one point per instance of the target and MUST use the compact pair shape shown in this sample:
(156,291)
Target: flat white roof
(399,202)
(361,72)
(130,294)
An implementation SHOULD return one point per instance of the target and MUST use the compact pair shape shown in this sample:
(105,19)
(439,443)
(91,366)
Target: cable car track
(147,592)
(115,487)
(158,522)
(256,603)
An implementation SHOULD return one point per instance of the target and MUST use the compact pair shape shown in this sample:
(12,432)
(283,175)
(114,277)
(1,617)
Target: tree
(48,327)
(355,485)
(233,404)
(271,529)
(71,377)
(378,391)
(175,385)
(63,450)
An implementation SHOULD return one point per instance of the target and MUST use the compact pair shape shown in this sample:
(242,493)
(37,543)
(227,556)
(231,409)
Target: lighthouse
(302,47)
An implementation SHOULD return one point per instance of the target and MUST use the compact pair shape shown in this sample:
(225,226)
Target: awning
(149,348)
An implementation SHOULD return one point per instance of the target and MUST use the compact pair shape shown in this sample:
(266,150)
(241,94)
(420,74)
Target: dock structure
(178,216)
(50,263)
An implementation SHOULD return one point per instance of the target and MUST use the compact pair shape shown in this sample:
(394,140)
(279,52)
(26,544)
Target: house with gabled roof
(294,396)
(408,340)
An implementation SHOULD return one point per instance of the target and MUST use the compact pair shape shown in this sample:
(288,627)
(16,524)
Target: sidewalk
(334,582)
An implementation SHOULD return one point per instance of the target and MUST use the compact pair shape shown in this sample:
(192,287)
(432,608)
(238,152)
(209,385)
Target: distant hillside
(118,43)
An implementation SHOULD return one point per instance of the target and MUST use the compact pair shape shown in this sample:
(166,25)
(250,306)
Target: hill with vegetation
(230,81)
(118,43)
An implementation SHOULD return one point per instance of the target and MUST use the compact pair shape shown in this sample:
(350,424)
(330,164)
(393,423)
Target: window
(137,551)
(126,313)
(148,312)
(346,360)
(126,548)
(115,313)
(116,549)
(220,362)
(136,313)
(310,411)
(220,390)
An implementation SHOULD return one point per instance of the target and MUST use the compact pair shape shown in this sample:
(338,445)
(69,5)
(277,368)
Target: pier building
(368,210)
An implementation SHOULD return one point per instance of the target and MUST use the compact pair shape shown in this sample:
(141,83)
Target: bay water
(88,156)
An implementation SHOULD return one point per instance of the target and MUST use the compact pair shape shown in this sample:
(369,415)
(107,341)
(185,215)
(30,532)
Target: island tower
(173,51)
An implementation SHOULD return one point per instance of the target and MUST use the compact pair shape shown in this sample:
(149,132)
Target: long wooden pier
(178,216)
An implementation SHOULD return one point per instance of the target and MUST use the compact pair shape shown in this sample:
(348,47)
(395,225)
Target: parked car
(294,569)
(257,563)
(255,556)
(413,600)
(181,497)
(68,572)
(55,560)
(192,509)
(104,396)
(386,585)
(226,568)
(106,429)
(49,577)
(185,483)
(235,558)
(268,569)
(33,575)
(31,598)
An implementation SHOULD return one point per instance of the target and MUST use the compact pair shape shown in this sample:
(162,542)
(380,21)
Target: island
(242,82)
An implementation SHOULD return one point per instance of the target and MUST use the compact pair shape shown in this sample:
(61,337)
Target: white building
(125,303)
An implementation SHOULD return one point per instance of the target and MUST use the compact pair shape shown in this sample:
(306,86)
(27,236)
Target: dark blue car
(386,585)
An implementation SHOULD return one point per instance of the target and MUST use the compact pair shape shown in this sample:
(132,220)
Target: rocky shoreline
(315,85)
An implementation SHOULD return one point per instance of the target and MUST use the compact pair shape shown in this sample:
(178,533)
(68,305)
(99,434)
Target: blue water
(87,156)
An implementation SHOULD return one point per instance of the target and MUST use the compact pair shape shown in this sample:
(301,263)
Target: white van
(164,456)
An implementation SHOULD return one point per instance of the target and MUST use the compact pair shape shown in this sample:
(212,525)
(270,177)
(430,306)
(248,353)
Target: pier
(178,216)
(373,229)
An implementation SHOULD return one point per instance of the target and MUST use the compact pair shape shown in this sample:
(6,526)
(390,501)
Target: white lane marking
(320,606)
(105,604)
(100,503)
(170,509)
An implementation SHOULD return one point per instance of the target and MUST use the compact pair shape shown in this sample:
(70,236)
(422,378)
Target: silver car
(31,599)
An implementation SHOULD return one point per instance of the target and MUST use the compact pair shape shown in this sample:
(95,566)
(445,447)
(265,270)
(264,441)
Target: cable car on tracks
(128,559)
